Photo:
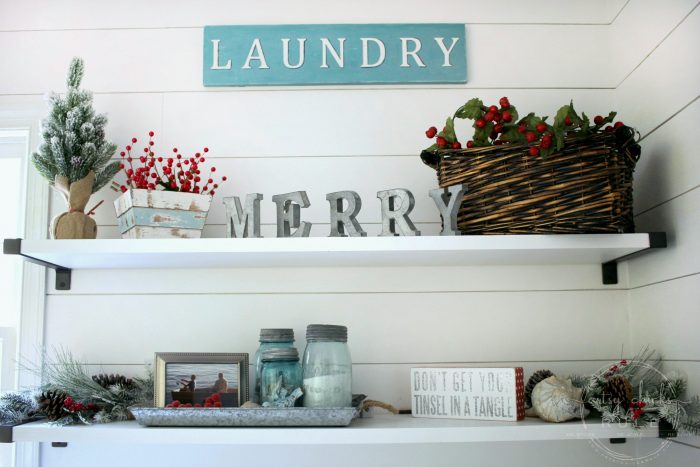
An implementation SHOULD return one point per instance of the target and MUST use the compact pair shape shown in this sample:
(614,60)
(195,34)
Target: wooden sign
(468,393)
(334,54)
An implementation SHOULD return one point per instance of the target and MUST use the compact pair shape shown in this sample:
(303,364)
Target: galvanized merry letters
(396,206)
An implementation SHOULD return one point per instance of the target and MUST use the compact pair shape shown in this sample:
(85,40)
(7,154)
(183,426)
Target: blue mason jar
(280,377)
(269,338)
(327,367)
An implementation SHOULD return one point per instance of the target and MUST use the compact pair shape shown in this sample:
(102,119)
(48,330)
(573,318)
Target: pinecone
(106,380)
(618,391)
(532,382)
(51,404)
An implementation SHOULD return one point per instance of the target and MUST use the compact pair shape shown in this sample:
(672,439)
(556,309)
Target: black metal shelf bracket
(656,240)
(666,430)
(13,246)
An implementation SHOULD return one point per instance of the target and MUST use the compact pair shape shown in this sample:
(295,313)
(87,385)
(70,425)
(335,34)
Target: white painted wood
(337,251)
(393,121)
(141,231)
(680,218)
(129,116)
(532,453)
(669,165)
(421,328)
(24,114)
(113,57)
(380,429)
(665,82)
(161,199)
(655,19)
(78,14)
(346,279)
(187,119)
(666,318)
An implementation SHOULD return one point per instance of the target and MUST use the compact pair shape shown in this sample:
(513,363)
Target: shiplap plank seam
(656,206)
(673,115)
(664,281)
(388,87)
(651,52)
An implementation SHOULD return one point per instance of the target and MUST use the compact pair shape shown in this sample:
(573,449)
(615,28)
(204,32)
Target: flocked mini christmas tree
(74,156)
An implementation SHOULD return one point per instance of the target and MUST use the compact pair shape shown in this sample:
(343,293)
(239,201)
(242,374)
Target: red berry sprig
(496,125)
(175,173)
(70,405)
(637,409)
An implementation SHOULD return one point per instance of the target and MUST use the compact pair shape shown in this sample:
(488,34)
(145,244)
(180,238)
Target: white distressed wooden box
(161,214)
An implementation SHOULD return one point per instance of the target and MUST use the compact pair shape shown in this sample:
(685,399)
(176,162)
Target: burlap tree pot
(74,224)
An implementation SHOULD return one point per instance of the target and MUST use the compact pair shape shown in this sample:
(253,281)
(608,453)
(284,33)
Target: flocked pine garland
(88,398)
(655,396)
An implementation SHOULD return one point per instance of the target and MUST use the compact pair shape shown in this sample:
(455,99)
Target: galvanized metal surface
(242,223)
(448,200)
(397,204)
(239,417)
(345,219)
(289,214)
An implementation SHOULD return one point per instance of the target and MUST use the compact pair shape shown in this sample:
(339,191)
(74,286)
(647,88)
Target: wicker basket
(584,188)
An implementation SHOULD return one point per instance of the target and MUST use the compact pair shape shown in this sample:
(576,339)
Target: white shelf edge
(381,429)
(336,252)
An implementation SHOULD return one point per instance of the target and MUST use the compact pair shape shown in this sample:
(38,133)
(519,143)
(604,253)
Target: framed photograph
(193,377)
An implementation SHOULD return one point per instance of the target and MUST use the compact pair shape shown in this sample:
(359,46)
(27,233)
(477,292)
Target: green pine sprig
(63,372)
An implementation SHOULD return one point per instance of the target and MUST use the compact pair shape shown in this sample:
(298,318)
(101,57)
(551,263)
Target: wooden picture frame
(176,378)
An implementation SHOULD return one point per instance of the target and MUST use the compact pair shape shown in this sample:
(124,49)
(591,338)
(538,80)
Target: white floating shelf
(381,429)
(334,251)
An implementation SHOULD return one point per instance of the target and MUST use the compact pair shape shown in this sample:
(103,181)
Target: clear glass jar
(280,376)
(269,339)
(327,367)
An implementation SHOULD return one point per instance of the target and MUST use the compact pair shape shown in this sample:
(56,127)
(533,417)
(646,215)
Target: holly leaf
(513,112)
(610,117)
(449,131)
(585,124)
(547,152)
(512,135)
(481,135)
(432,148)
(472,109)
(530,120)
(560,124)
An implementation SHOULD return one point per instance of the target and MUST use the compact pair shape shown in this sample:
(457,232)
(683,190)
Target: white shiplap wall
(143,61)
(661,97)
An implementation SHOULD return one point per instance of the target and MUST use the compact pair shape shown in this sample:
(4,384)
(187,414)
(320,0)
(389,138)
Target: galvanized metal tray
(239,417)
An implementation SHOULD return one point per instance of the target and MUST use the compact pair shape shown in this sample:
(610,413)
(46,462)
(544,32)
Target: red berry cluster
(72,406)
(637,409)
(214,401)
(499,124)
(176,173)
(615,368)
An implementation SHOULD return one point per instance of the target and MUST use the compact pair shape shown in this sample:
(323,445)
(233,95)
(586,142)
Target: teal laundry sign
(334,54)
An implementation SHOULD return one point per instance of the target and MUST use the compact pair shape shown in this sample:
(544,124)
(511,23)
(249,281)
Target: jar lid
(326,333)
(277,335)
(283,353)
